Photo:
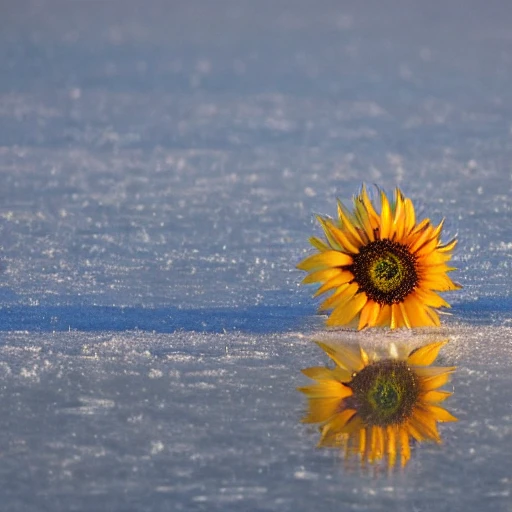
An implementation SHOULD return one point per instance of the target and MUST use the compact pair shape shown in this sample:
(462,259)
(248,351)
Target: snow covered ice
(160,165)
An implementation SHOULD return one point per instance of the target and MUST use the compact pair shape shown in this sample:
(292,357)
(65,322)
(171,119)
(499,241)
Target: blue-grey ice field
(160,167)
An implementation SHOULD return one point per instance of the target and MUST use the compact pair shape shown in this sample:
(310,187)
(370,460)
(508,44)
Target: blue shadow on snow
(484,310)
(255,319)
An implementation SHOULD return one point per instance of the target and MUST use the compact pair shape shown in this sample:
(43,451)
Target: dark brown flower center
(384,393)
(385,271)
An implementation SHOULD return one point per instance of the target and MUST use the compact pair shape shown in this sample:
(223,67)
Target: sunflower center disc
(385,396)
(384,393)
(385,271)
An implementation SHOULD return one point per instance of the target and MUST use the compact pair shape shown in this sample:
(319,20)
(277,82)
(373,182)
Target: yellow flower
(383,266)
(373,406)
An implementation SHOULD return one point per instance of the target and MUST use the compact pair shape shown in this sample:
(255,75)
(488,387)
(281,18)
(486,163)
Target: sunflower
(374,406)
(384,266)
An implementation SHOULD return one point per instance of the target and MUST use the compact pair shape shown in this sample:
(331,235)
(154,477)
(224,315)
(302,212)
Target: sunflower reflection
(374,405)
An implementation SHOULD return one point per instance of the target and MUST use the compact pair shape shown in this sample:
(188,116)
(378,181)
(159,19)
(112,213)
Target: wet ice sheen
(159,172)
(222,428)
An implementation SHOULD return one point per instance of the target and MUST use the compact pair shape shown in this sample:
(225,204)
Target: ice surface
(160,165)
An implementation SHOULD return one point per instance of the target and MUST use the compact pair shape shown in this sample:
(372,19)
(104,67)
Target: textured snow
(160,167)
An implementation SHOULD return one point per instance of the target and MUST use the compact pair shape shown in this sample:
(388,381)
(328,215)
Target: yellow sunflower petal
(374,312)
(322,373)
(428,372)
(364,356)
(342,239)
(335,440)
(448,246)
(426,355)
(321,409)
(342,277)
(384,317)
(346,223)
(386,222)
(420,240)
(321,276)
(438,229)
(415,433)
(336,424)
(433,270)
(430,298)
(347,311)
(436,380)
(373,453)
(434,317)
(365,315)
(425,424)
(343,293)
(380,442)
(397,318)
(318,244)
(392,322)
(441,414)
(441,283)
(364,218)
(413,312)
(325,260)
(405,449)
(417,312)
(404,315)
(398,217)
(427,248)
(352,426)
(435,396)
(344,356)
(369,315)
(326,389)
(421,227)
(330,238)
(362,441)
(372,214)
(410,216)
(391,444)
(434,258)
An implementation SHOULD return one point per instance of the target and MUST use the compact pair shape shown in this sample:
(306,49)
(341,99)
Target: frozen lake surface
(160,166)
